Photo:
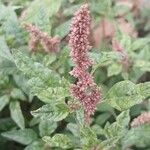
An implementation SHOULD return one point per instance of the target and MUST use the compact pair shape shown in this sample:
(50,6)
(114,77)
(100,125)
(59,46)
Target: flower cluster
(85,90)
(142,119)
(49,44)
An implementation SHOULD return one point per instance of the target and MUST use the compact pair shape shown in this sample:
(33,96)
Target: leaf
(21,82)
(123,95)
(62,30)
(144,89)
(104,107)
(114,69)
(52,112)
(6,124)
(25,136)
(4,100)
(34,69)
(17,94)
(118,128)
(138,136)
(142,65)
(4,50)
(71,10)
(98,129)
(39,13)
(101,7)
(54,7)
(88,137)
(4,81)
(7,67)
(110,143)
(139,43)
(80,116)
(49,59)
(47,127)
(47,94)
(9,22)
(35,145)
(73,128)
(16,114)
(102,118)
(103,59)
(58,140)
(125,39)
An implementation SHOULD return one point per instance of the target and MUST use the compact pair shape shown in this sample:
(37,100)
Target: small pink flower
(142,119)
(85,90)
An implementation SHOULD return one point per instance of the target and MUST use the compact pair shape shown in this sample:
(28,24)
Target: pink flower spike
(85,90)
(50,44)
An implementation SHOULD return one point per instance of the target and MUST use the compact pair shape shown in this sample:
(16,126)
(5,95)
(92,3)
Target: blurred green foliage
(34,87)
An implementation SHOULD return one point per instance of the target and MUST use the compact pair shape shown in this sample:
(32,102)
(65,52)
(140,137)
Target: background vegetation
(35,103)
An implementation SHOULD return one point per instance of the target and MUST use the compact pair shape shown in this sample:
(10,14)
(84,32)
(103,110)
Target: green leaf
(104,107)
(6,124)
(58,140)
(110,143)
(139,43)
(49,59)
(138,136)
(54,7)
(73,128)
(17,94)
(144,89)
(4,81)
(118,128)
(62,30)
(123,95)
(98,129)
(4,50)
(35,145)
(47,94)
(125,41)
(40,12)
(9,22)
(51,112)
(7,67)
(103,59)
(16,114)
(80,116)
(34,69)
(71,10)
(88,138)
(114,69)
(142,65)
(4,100)
(102,118)
(47,127)
(24,137)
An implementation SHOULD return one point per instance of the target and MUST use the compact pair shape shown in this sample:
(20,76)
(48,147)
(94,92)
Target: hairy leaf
(4,100)
(25,136)
(123,95)
(58,140)
(16,114)
(137,136)
(46,127)
(52,112)
(4,50)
